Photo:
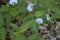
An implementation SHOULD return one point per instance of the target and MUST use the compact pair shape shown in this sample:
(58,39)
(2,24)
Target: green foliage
(26,25)
(1,20)
(40,13)
(2,33)
(32,37)
(20,37)
(40,38)
(27,18)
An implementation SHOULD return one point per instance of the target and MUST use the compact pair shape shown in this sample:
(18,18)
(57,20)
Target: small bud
(47,17)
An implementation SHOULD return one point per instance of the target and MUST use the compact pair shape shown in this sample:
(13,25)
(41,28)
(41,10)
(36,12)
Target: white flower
(30,7)
(47,17)
(39,20)
(12,1)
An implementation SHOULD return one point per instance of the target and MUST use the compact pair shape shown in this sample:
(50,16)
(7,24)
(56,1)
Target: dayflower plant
(24,19)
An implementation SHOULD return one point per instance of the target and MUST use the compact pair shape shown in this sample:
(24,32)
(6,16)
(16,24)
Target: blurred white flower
(39,20)
(30,7)
(47,17)
(12,1)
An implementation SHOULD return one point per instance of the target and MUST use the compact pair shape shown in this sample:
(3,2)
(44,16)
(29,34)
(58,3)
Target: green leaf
(4,8)
(20,37)
(25,26)
(1,20)
(34,27)
(40,38)
(8,18)
(13,11)
(56,12)
(29,17)
(2,33)
(32,37)
(15,27)
(20,2)
(23,9)
(40,13)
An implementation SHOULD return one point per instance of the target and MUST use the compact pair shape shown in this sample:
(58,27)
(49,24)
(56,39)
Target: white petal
(47,14)
(30,7)
(12,1)
(39,20)
(47,17)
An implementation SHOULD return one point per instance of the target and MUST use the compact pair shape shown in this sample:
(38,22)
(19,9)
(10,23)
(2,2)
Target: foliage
(28,18)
